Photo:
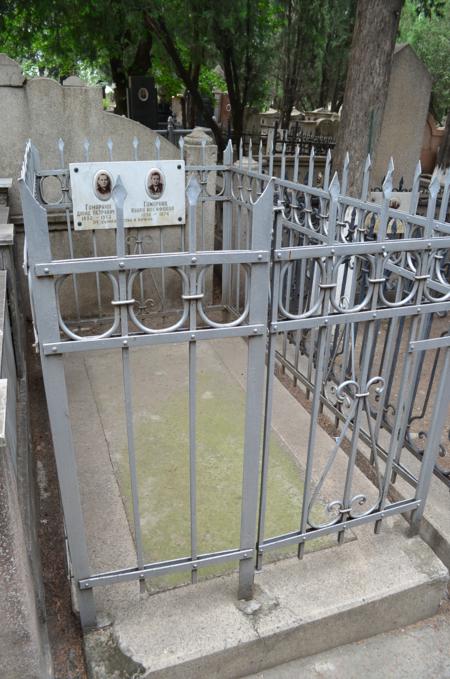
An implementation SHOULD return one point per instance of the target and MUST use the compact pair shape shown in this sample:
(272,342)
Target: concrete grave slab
(369,585)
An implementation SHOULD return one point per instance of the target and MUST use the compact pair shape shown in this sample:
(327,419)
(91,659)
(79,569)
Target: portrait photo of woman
(155,184)
(103,185)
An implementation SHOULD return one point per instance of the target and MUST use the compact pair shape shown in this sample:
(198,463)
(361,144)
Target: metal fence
(342,292)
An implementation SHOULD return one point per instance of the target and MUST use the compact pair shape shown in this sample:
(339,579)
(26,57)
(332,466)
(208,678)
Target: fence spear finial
(119,193)
(109,144)
(86,145)
(228,154)
(61,150)
(193,190)
(387,183)
(435,186)
(366,177)
(136,147)
(334,187)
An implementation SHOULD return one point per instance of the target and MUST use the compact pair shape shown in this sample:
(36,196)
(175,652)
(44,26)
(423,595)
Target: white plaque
(155,193)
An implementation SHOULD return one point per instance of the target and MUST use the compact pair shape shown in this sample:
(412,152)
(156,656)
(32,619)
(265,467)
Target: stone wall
(23,633)
(44,111)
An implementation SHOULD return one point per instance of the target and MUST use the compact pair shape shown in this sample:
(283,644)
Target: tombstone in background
(432,138)
(142,101)
(404,117)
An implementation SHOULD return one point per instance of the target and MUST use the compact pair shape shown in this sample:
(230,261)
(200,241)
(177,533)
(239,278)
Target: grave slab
(334,596)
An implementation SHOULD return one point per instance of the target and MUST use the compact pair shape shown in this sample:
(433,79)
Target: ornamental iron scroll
(349,393)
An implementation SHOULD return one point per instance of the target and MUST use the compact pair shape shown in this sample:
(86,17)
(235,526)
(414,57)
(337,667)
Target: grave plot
(180,455)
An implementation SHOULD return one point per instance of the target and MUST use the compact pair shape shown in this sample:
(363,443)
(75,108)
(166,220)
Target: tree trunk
(142,61)
(158,27)
(367,83)
(443,160)
(120,80)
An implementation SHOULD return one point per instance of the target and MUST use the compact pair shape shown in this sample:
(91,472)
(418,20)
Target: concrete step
(333,597)
(418,651)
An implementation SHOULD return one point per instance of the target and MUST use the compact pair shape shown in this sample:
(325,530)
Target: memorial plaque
(155,193)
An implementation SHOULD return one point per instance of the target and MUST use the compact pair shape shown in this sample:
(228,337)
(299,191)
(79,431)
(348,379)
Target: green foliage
(312,50)
(243,35)
(429,35)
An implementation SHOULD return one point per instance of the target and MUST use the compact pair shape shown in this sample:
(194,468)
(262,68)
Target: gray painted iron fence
(313,279)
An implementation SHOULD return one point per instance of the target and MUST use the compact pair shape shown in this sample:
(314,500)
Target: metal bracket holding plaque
(155,193)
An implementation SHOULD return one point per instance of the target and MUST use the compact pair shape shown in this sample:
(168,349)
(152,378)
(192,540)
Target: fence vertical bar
(268,404)
(119,195)
(259,278)
(227,223)
(193,193)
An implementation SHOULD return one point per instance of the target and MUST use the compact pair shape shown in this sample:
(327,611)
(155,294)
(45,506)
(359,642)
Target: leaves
(429,35)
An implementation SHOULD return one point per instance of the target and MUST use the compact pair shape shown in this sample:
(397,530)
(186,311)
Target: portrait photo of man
(103,185)
(155,184)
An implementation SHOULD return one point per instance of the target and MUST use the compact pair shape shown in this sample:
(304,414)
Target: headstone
(74,81)
(404,117)
(10,72)
(143,101)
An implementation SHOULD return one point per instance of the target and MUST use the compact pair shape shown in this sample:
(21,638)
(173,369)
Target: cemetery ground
(63,626)
(425,641)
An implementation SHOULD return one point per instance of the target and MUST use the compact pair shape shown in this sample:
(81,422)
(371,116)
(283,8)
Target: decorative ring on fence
(344,262)
(41,189)
(175,326)
(316,305)
(74,335)
(435,266)
(201,310)
(216,194)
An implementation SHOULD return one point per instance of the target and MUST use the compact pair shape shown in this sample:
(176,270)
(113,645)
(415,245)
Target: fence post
(44,301)
(258,297)
(440,410)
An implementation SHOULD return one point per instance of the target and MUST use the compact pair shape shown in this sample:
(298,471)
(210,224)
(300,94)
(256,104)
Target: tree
(301,47)
(187,70)
(369,69)
(60,38)
(340,18)
(429,36)
(243,34)
(428,33)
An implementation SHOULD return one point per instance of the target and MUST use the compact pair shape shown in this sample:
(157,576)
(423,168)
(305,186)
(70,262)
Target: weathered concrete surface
(24,652)
(435,525)
(334,596)
(368,586)
(161,438)
(419,651)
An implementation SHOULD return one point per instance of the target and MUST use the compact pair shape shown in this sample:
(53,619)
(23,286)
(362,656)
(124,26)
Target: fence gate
(340,293)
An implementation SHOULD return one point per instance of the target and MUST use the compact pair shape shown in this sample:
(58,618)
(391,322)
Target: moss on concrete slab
(162,452)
